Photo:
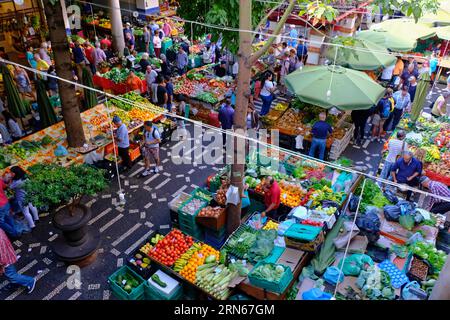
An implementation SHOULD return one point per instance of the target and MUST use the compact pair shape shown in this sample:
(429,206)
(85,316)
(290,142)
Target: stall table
(262,294)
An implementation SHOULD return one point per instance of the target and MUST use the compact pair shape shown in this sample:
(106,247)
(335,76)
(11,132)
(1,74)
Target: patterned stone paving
(123,228)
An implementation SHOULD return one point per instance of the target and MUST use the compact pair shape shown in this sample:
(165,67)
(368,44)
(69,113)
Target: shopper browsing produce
(134,83)
(407,171)
(150,147)
(226,118)
(271,197)
(440,105)
(30,212)
(320,131)
(123,142)
(182,61)
(396,147)
(266,94)
(402,103)
(432,204)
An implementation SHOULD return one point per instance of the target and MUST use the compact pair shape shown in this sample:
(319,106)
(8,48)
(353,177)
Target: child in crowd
(29,211)
(377,128)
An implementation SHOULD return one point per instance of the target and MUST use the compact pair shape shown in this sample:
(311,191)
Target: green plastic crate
(188,217)
(136,294)
(196,191)
(274,255)
(277,287)
(152,294)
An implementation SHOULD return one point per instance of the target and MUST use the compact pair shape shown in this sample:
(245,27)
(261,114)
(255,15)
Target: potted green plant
(61,190)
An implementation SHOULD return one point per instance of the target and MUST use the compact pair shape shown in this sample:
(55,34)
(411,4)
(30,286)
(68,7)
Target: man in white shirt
(235,69)
(387,73)
(395,148)
(150,78)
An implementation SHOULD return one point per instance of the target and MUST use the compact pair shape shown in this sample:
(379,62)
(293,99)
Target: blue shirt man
(406,169)
(402,99)
(302,49)
(226,115)
(321,129)
(123,141)
(293,34)
(182,60)
(78,55)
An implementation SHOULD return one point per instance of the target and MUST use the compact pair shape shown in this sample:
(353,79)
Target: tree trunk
(118,40)
(63,65)
(240,114)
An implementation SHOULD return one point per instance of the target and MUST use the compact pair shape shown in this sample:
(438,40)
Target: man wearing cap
(128,30)
(123,142)
(432,204)
(407,170)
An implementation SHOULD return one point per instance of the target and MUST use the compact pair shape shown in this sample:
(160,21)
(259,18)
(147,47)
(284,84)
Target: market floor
(124,228)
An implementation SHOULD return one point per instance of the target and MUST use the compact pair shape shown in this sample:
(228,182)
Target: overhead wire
(240,136)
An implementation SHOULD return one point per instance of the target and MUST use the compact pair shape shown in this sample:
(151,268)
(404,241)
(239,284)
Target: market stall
(294,124)
(204,92)
(115,79)
(429,140)
(48,145)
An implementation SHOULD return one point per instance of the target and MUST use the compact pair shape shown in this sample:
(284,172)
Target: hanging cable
(116,161)
(349,238)
(237,135)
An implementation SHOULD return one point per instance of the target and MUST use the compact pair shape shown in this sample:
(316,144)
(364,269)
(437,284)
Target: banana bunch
(184,258)
(271,225)
(433,154)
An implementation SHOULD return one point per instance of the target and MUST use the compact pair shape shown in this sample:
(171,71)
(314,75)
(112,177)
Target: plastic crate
(213,240)
(134,151)
(196,191)
(217,233)
(152,293)
(190,217)
(212,222)
(136,294)
(194,232)
(274,255)
(277,287)
(178,201)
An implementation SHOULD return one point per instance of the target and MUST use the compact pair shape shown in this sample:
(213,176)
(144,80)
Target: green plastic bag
(354,264)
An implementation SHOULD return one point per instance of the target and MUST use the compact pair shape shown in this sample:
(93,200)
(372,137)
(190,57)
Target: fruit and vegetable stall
(50,145)
(430,142)
(115,79)
(203,89)
(392,252)
(296,120)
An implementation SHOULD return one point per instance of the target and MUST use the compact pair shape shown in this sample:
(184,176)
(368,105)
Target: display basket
(185,216)
(310,246)
(176,202)
(202,193)
(213,222)
(136,294)
(277,287)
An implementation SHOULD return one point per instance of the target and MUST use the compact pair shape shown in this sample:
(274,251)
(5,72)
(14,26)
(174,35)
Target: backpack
(386,110)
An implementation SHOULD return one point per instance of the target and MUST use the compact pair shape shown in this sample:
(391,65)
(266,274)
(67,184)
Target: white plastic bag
(233,195)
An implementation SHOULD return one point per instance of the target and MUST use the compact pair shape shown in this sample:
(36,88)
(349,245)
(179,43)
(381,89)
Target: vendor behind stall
(271,197)
(432,204)
(221,70)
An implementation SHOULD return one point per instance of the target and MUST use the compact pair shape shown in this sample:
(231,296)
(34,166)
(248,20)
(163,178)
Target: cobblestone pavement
(123,228)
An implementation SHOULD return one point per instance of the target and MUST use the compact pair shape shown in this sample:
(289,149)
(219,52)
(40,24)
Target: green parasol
(15,103)
(46,111)
(89,96)
(388,40)
(405,28)
(349,89)
(441,17)
(366,55)
(421,94)
(443,32)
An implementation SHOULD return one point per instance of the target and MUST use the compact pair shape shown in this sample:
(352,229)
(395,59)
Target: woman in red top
(271,197)
(7,260)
